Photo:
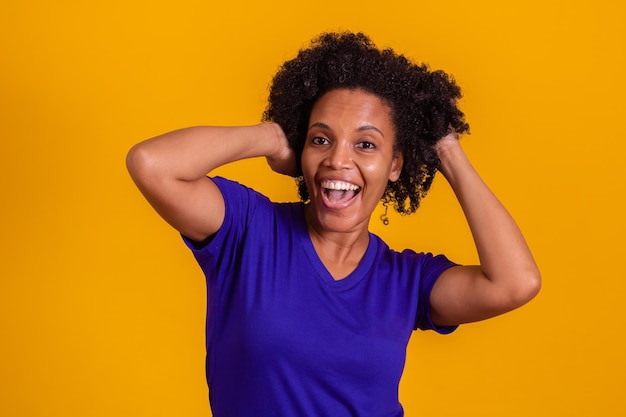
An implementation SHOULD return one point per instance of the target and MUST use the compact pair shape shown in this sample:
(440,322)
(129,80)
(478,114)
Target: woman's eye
(366,145)
(318,140)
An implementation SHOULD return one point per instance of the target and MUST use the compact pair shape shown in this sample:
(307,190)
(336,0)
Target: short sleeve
(430,269)
(217,255)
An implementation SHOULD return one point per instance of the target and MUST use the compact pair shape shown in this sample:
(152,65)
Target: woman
(309,314)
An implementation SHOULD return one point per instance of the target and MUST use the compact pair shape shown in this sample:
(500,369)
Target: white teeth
(339,185)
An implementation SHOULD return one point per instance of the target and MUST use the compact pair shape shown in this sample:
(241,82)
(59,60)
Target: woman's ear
(396,166)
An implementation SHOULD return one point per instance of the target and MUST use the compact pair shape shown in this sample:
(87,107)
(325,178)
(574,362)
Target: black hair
(422,102)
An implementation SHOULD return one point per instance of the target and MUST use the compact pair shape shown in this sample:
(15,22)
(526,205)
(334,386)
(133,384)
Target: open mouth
(339,192)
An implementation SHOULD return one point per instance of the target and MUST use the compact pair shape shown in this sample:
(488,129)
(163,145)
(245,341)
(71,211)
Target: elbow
(134,159)
(139,163)
(533,283)
(529,285)
(520,289)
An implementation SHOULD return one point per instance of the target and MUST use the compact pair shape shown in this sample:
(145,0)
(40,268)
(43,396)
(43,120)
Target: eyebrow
(360,129)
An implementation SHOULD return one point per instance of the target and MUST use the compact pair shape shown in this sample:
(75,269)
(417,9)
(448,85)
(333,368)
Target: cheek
(377,171)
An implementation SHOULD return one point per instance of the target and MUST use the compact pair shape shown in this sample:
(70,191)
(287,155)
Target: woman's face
(348,158)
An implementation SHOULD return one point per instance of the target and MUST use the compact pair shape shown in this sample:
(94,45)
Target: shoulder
(409,258)
(231,188)
(250,219)
(252,208)
(240,199)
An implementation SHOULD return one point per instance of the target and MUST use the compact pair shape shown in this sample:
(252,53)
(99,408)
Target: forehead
(356,107)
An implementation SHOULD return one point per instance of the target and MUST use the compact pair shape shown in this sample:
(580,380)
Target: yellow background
(101,305)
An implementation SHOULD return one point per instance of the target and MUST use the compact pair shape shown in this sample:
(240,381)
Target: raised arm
(170,170)
(507,276)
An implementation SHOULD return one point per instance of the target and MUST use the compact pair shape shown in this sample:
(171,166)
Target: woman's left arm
(507,276)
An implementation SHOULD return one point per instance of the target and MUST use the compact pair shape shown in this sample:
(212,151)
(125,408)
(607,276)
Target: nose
(339,156)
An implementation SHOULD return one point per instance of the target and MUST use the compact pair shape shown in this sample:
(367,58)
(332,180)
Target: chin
(339,222)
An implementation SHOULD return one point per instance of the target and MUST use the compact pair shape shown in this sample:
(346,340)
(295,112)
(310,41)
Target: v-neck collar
(320,270)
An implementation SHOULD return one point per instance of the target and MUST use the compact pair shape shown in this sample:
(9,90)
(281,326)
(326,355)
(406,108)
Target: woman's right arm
(170,170)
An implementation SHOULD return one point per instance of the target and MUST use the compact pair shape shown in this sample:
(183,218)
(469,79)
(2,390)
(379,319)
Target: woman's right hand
(283,161)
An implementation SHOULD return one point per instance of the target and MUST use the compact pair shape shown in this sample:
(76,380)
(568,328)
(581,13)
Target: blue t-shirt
(284,338)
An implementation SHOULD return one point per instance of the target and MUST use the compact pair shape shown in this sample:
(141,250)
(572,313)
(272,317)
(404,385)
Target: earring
(383,217)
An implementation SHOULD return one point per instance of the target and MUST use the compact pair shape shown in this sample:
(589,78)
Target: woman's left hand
(445,147)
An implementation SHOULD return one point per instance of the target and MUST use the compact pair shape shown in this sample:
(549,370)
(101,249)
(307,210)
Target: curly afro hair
(422,102)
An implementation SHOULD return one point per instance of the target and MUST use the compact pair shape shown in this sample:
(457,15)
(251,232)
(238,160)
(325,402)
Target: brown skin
(350,139)
(507,276)
(170,170)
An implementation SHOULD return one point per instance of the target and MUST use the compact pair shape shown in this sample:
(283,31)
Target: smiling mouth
(339,192)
